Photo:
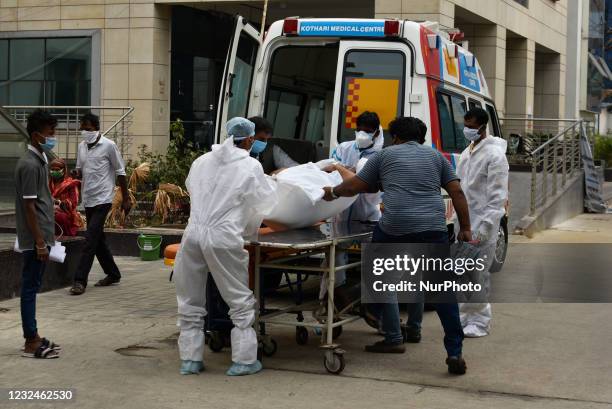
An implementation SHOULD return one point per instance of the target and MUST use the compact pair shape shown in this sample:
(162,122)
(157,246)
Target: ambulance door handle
(230,85)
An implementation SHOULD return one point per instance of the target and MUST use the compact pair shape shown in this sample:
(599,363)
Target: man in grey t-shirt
(35,227)
(412,176)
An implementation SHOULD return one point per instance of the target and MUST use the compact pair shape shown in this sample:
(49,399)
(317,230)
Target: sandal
(49,344)
(42,352)
(77,289)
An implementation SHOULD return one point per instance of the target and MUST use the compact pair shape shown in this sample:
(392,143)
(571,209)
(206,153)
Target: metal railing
(115,124)
(553,163)
(524,135)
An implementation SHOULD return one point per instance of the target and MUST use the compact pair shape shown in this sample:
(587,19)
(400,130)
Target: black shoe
(383,347)
(77,289)
(456,365)
(411,335)
(106,281)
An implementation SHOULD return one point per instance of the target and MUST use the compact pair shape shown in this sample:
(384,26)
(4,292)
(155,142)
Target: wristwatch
(333,194)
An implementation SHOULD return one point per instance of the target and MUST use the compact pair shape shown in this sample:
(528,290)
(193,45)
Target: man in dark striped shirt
(412,176)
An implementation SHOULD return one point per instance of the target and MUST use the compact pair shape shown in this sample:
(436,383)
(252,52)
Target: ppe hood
(494,142)
(227,152)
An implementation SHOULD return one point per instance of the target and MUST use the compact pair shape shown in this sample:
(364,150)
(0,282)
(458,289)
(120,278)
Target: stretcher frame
(305,248)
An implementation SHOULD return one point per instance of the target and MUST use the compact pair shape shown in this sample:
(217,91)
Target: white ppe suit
(366,207)
(483,170)
(229,197)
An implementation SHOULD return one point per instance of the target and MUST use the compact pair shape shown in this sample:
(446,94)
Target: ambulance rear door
(237,75)
(373,76)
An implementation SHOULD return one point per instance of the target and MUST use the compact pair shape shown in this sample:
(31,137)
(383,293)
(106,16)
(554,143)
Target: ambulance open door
(237,75)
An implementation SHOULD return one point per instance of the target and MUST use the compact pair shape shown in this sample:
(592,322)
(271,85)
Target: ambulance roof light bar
(291,27)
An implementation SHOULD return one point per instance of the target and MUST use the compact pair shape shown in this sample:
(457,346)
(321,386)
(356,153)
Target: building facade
(165,57)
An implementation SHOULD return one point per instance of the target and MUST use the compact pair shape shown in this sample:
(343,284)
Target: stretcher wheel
(334,362)
(269,347)
(301,335)
(216,342)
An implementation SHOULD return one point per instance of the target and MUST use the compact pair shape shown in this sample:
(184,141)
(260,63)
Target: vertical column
(488,43)
(149,39)
(520,72)
(549,85)
(115,61)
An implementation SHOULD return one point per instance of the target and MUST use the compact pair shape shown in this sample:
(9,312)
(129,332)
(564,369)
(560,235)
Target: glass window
(4,94)
(68,59)
(26,93)
(474,104)
(12,145)
(494,127)
(373,81)
(4,60)
(315,125)
(243,75)
(283,111)
(38,71)
(27,59)
(451,110)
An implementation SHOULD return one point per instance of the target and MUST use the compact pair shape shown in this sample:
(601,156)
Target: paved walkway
(120,352)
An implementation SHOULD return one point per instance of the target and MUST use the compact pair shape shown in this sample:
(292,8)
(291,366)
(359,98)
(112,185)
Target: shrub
(603,149)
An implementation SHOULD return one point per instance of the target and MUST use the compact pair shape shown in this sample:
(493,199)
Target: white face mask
(89,136)
(471,134)
(363,139)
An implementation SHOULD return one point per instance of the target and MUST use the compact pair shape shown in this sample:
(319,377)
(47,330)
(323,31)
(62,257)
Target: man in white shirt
(99,164)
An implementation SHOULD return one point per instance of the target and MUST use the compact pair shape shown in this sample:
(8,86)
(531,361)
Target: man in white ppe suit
(483,170)
(229,196)
(351,157)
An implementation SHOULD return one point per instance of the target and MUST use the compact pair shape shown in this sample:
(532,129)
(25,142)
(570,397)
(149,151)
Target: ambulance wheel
(334,362)
(301,335)
(215,342)
(501,247)
(269,347)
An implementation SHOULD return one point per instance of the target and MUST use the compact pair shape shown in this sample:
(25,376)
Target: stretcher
(305,246)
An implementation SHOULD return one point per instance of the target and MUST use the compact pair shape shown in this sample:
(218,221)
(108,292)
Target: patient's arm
(344,172)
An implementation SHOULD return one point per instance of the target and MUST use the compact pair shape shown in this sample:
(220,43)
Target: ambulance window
(283,112)
(373,81)
(451,110)
(474,104)
(243,75)
(494,128)
(315,125)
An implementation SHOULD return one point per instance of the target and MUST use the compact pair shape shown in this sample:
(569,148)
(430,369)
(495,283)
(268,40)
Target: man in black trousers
(99,165)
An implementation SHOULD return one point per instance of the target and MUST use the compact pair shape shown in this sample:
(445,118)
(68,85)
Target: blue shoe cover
(191,367)
(242,369)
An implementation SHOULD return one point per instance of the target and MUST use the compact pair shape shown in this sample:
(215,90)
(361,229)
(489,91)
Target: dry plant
(167,198)
(139,176)
(116,216)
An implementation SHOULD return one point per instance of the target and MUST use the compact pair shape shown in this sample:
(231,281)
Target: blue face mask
(258,147)
(50,142)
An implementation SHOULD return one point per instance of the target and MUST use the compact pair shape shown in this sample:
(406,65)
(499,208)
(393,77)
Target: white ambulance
(311,78)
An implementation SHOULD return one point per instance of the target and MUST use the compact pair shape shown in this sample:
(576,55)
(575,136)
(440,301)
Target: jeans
(448,312)
(31,277)
(95,246)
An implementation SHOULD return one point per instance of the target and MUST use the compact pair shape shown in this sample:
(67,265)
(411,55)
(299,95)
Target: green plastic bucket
(149,245)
